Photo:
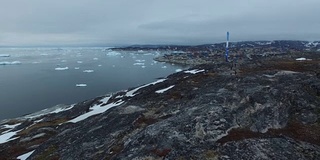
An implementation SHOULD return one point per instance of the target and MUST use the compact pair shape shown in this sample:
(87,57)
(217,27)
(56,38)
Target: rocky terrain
(212,53)
(283,45)
(260,108)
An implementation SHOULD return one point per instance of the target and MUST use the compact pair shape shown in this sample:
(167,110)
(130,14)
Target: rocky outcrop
(269,109)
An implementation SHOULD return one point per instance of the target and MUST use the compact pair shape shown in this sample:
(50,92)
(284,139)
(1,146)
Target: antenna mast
(227,47)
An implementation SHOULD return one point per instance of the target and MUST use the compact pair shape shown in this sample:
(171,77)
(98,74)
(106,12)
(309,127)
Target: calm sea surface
(38,78)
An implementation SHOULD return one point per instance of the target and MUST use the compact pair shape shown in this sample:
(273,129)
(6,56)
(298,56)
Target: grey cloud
(60,22)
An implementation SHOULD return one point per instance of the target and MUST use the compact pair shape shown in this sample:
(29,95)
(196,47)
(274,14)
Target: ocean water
(32,79)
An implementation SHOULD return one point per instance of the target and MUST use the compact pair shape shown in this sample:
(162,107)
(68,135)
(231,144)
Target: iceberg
(140,60)
(113,53)
(81,85)
(61,68)
(138,64)
(88,71)
(4,55)
(10,63)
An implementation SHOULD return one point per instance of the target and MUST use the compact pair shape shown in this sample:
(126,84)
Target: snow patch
(178,70)
(4,138)
(131,93)
(164,90)
(195,71)
(56,109)
(10,126)
(25,156)
(61,68)
(303,59)
(97,109)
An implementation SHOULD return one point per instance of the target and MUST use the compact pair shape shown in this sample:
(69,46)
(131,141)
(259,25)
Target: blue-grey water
(38,81)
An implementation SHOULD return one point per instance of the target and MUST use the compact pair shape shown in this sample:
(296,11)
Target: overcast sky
(116,22)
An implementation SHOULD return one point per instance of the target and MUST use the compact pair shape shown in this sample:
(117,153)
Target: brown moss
(42,124)
(211,155)
(175,95)
(294,130)
(48,154)
(296,66)
(161,152)
(143,121)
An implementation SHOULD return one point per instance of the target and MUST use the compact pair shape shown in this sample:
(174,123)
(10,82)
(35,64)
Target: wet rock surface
(269,109)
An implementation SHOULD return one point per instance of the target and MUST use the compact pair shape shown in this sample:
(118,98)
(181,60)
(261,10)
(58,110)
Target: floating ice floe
(97,109)
(76,67)
(165,89)
(164,67)
(88,71)
(4,55)
(10,63)
(140,60)
(303,59)
(99,65)
(95,59)
(178,70)
(63,61)
(113,53)
(138,64)
(79,62)
(195,71)
(44,54)
(131,93)
(81,85)
(25,156)
(61,68)
(143,66)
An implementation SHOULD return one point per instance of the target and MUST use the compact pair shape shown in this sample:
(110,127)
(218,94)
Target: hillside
(263,108)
